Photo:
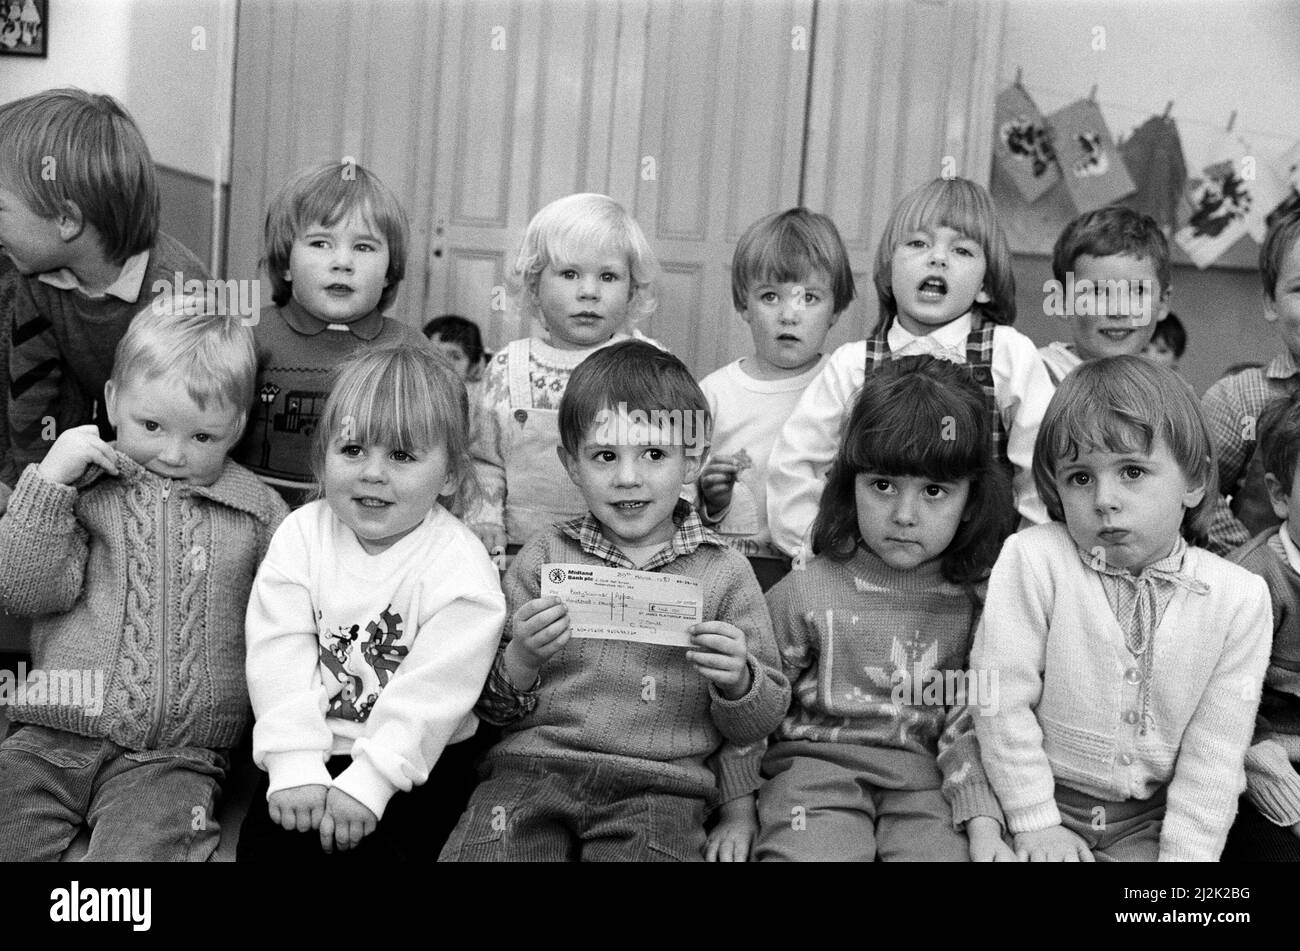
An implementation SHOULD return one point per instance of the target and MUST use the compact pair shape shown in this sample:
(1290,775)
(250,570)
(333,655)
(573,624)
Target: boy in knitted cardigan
(608,744)
(135,561)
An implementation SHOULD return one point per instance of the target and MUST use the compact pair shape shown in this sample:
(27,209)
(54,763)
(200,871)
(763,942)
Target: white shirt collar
(948,340)
(127,286)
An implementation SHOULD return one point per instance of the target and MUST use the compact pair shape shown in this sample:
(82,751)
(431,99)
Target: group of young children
(963,598)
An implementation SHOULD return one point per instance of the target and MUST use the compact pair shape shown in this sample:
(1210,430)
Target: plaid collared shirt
(689,535)
(1138,603)
(501,701)
(1232,407)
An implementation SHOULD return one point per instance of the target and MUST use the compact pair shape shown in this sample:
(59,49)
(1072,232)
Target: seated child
(1232,405)
(607,744)
(1268,822)
(586,271)
(1129,661)
(459,342)
(335,252)
(1168,343)
(1124,257)
(372,625)
(879,763)
(790,281)
(79,219)
(135,560)
(943,277)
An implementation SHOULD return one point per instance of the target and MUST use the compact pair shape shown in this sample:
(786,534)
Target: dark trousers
(414,827)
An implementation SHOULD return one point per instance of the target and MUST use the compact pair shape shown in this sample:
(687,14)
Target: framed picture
(24,27)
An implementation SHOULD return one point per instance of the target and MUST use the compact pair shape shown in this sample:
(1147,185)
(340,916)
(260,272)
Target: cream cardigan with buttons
(1068,702)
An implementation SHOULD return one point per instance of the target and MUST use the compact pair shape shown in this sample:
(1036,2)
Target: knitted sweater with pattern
(145,580)
(856,638)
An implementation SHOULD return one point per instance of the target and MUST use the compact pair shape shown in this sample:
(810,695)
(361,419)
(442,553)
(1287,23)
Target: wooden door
(898,87)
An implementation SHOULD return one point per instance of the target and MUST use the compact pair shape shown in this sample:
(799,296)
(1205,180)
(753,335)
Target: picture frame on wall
(24,28)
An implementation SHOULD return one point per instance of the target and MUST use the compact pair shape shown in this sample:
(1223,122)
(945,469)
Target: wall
(171,63)
(1156,52)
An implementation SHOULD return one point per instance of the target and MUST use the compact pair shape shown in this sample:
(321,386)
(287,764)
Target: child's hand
(716,480)
(73,451)
(345,823)
(493,538)
(734,835)
(1295,830)
(1054,844)
(541,629)
(986,843)
(722,656)
(301,807)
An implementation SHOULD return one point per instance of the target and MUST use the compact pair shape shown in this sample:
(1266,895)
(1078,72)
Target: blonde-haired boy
(135,560)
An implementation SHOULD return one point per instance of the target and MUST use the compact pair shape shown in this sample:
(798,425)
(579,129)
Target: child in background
(1129,661)
(943,277)
(372,625)
(459,342)
(607,743)
(586,270)
(79,219)
(1124,256)
(1233,404)
(1268,821)
(790,281)
(914,512)
(135,560)
(335,252)
(1168,343)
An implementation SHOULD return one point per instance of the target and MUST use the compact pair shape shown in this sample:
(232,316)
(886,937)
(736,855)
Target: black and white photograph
(638,431)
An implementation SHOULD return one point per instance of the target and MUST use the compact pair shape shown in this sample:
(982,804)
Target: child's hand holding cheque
(541,629)
(722,656)
(73,452)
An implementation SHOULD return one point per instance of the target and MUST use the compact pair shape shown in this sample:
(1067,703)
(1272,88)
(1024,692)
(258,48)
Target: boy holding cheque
(609,748)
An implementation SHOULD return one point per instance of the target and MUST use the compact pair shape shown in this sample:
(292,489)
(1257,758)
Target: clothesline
(1035,89)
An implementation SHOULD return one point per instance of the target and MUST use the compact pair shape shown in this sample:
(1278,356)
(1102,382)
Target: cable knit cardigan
(145,579)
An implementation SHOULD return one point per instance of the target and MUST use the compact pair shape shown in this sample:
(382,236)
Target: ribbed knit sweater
(62,352)
(145,579)
(854,634)
(644,706)
(1069,691)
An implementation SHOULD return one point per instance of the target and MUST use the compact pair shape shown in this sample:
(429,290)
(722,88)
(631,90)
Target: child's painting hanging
(1153,155)
(1021,146)
(1231,198)
(24,28)
(1091,167)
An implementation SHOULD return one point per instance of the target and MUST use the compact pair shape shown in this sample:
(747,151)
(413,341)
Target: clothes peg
(1232,120)
(1169,107)
(1020,75)
(1092,95)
